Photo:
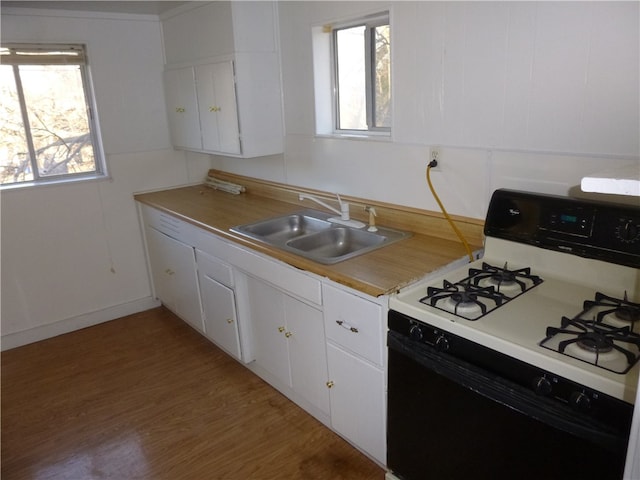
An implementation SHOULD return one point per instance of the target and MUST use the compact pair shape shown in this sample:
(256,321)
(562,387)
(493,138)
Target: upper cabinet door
(182,108)
(215,86)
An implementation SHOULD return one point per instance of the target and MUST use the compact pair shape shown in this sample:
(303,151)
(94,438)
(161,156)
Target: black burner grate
(502,277)
(622,309)
(595,336)
(481,291)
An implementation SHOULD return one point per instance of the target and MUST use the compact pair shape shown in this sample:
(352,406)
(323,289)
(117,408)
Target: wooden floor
(145,397)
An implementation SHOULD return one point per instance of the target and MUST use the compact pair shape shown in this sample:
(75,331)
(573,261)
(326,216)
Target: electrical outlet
(434,154)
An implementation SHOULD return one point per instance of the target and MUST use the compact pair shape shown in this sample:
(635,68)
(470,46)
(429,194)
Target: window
(362,75)
(48,130)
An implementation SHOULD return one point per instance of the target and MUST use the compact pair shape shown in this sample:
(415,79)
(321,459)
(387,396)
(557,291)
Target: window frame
(370,23)
(100,171)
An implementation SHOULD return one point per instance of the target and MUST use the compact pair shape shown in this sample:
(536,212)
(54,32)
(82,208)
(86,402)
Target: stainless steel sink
(310,234)
(282,229)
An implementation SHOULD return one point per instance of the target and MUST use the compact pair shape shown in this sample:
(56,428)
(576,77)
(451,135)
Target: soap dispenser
(372,219)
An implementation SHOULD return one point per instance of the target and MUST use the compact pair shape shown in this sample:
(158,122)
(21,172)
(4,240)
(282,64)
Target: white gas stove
(538,297)
(530,352)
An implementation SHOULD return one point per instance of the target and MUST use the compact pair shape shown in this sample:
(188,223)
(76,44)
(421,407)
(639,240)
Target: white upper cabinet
(225,55)
(215,86)
(182,108)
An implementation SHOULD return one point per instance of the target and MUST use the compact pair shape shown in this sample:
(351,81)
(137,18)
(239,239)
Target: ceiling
(146,7)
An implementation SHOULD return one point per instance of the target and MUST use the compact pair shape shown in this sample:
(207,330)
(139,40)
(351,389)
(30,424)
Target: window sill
(53,182)
(367,137)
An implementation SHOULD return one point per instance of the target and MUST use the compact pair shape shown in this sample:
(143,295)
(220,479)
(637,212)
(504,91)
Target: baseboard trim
(42,332)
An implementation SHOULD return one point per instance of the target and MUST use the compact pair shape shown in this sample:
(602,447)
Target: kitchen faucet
(344,218)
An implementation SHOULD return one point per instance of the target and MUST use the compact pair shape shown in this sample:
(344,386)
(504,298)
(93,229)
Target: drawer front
(214,268)
(285,277)
(353,323)
(168,224)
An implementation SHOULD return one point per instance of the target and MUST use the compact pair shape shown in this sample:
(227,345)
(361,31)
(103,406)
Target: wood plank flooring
(146,397)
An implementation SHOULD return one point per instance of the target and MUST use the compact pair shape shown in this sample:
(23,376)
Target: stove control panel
(599,230)
(571,221)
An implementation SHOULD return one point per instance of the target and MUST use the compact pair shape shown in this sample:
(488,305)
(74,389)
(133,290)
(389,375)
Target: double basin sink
(310,234)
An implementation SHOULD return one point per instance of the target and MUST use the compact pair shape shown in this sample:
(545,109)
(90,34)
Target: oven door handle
(508,393)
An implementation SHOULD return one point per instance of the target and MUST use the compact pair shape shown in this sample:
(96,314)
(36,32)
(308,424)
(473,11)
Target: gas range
(558,288)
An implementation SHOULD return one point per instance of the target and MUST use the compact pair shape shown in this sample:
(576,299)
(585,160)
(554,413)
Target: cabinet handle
(347,326)
(180,110)
(229,320)
(215,109)
(168,271)
(281,329)
(288,334)
(329,384)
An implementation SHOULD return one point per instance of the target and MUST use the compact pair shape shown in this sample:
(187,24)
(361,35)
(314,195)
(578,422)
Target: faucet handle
(344,208)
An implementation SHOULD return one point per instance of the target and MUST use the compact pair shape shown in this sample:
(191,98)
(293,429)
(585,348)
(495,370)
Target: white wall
(517,94)
(72,255)
(523,95)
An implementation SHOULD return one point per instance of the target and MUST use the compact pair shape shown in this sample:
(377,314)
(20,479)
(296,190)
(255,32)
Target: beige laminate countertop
(376,273)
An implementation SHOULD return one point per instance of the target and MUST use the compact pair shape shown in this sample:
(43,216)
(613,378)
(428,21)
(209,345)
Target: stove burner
(628,314)
(463,299)
(613,348)
(621,309)
(503,278)
(594,342)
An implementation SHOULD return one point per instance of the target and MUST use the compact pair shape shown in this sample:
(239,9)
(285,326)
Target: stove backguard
(598,230)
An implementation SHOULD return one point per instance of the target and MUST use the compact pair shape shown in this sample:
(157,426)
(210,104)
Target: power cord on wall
(430,165)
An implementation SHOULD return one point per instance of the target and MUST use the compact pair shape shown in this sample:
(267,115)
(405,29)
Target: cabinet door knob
(346,326)
(229,320)
(215,109)
(329,384)
(288,334)
(168,271)
(180,109)
(281,329)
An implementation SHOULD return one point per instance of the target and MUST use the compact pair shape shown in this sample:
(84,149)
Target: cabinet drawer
(282,276)
(354,323)
(285,277)
(168,224)
(214,268)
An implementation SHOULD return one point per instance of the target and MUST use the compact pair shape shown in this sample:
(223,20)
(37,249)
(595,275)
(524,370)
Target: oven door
(450,420)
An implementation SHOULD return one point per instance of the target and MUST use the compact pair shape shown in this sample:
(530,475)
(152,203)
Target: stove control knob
(628,231)
(415,332)
(542,386)
(580,401)
(442,343)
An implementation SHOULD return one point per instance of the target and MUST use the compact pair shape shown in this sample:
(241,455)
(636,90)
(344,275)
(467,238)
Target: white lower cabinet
(173,268)
(218,304)
(289,342)
(357,401)
(355,351)
(318,342)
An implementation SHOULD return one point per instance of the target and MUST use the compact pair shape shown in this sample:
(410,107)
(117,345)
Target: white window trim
(101,172)
(325,77)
